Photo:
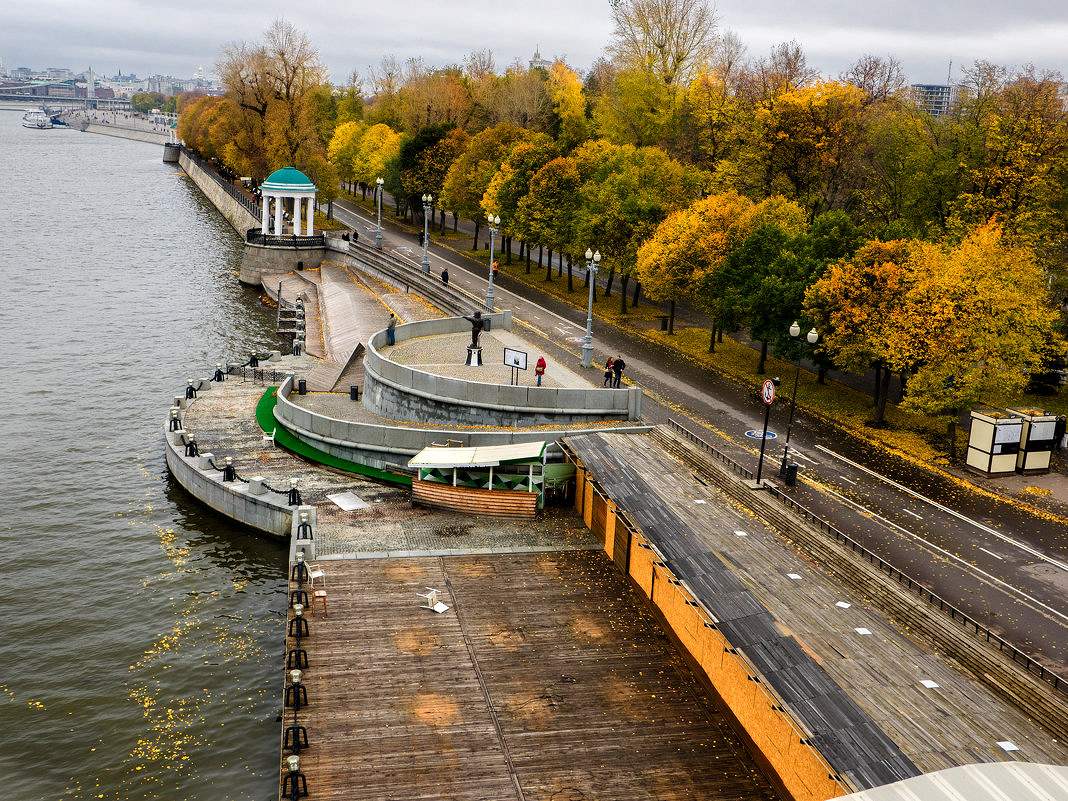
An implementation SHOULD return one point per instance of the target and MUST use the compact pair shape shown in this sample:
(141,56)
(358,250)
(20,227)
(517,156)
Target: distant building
(934,98)
(23,73)
(538,61)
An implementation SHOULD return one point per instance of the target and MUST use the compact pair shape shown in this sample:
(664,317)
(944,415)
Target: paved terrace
(544,681)
(860,691)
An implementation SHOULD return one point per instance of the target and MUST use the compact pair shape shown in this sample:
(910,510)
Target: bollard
(191,446)
(297,658)
(190,393)
(304,528)
(253,361)
(302,387)
(295,785)
(294,493)
(220,376)
(298,626)
(299,573)
(296,738)
(296,693)
(229,471)
(298,346)
(298,596)
(176,421)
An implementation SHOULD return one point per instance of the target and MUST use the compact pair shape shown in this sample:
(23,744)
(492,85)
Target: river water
(141,647)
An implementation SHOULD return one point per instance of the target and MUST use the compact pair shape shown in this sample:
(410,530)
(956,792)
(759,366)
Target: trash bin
(354,392)
(302,387)
(791,475)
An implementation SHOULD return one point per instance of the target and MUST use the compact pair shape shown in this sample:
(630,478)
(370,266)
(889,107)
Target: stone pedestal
(474,357)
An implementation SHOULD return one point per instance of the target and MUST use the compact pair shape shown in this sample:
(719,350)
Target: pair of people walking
(613,371)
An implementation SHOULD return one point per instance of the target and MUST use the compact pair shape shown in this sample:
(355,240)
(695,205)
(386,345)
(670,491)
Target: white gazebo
(288,182)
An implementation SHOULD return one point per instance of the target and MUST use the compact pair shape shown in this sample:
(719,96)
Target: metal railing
(256,237)
(250,205)
(902,578)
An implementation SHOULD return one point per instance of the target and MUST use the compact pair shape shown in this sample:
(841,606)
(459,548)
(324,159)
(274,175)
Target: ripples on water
(141,639)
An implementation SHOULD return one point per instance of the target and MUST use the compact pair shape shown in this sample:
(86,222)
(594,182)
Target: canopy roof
(288,179)
(486,456)
(991,781)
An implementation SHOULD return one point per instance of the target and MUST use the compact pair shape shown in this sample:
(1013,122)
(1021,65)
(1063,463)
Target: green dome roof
(288,179)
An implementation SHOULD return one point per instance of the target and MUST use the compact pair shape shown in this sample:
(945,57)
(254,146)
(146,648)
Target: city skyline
(925,39)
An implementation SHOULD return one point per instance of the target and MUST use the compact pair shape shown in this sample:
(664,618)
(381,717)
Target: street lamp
(493,223)
(593,259)
(428,204)
(812,336)
(378,194)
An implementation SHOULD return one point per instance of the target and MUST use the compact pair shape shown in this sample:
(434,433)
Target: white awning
(486,456)
(989,781)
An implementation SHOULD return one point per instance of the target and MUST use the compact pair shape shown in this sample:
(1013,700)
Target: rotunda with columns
(288,184)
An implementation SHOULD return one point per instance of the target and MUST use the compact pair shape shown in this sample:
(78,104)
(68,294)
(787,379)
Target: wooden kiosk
(495,480)
(994,442)
(1037,442)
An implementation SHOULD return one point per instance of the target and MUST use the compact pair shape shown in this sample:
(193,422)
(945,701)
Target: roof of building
(485,456)
(288,179)
(990,781)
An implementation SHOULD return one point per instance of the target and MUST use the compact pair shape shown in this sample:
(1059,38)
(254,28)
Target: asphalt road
(1002,565)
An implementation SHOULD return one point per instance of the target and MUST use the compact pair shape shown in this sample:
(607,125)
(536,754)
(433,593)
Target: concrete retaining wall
(260,260)
(401,392)
(128,133)
(236,214)
(388,447)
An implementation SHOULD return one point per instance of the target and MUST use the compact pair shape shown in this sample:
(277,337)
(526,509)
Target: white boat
(36,118)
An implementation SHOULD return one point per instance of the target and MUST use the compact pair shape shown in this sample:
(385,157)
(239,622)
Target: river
(140,656)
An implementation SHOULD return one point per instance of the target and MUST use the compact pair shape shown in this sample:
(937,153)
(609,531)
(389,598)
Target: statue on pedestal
(477,324)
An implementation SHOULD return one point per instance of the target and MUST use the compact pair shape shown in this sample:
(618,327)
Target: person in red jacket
(539,370)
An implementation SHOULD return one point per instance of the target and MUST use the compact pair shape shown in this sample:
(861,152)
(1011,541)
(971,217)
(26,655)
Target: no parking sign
(767,392)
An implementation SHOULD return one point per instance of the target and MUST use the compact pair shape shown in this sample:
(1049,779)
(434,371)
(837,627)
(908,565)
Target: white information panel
(1007,433)
(515,358)
(1042,430)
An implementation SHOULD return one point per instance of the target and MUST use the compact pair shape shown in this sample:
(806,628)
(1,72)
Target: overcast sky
(170,37)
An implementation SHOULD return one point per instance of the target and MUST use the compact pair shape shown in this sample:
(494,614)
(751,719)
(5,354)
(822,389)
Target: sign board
(767,392)
(1042,430)
(515,358)
(1007,432)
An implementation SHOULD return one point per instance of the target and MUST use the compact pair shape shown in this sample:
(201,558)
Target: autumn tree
(570,126)
(546,214)
(670,39)
(343,148)
(379,146)
(470,174)
(511,182)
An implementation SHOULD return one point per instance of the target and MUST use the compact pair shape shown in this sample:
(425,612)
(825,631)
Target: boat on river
(37,118)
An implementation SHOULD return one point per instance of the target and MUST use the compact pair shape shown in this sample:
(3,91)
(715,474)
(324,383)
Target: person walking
(618,366)
(608,371)
(539,370)
(391,330)
(445,276)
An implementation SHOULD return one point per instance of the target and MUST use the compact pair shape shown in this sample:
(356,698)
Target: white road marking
(910,512)
(1014,542)
(984,550)
(967,565)
(848,480)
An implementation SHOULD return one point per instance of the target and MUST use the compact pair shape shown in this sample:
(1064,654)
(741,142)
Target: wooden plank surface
(545,681)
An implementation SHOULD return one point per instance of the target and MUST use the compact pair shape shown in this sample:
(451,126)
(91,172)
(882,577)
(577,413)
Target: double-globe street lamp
(379,182)
(812,336)
(494,222)
(428,205)
(593,259)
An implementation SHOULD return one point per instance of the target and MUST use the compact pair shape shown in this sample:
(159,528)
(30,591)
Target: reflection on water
(141,645)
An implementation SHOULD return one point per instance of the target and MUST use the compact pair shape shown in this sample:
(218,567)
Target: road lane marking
(949,555)
(910,512)
(848,480)
(1014,542)
(984,550)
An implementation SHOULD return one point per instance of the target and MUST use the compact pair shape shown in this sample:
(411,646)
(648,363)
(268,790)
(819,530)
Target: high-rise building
(934,98)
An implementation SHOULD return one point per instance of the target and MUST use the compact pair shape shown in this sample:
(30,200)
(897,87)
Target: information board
(515,358)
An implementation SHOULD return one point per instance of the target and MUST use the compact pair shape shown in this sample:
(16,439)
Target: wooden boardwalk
(545,681)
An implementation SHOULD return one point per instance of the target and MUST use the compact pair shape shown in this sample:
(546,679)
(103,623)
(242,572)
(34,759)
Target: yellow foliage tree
(344,147)
(569,105)
(379,145)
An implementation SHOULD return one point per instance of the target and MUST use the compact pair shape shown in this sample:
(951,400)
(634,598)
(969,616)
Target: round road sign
(767,392)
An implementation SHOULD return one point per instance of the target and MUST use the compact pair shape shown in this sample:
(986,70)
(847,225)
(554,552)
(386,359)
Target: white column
(296,215)
(277,215)
(263,214)
(311,215)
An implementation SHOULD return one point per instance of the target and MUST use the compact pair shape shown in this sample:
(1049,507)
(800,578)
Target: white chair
(316,572)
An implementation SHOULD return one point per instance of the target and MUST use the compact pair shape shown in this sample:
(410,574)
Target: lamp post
(379,182)
(493,223)
(593,259)
(812,336)
(428,204)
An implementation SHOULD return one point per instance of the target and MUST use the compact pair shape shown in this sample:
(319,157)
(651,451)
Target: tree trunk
(329,209)
(560,265)
(762,364)
(549,264)
(625,279)
(441,225)
(509,259)
(883,391)
(671,318)
(951,432)
(901,384)
(719,334)
(608,286)
(570,285)
(821,374)
(528,258)
(478,225)
(455,221)
(876,385)
(540,248)
(712,340)
(637,293)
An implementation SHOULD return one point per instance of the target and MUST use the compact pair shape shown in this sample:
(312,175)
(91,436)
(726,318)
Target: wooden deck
(545,681)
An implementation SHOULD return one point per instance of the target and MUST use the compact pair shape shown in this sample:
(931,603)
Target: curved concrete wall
(237,215)
(388,447)
(260,260)
(401,392)
(232,499)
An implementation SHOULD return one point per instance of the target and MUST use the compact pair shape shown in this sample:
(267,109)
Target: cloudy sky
(170,37)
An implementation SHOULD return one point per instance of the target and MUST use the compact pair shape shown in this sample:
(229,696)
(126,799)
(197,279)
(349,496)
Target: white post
(263,214)
(311,215)
(296,215)
(277,216)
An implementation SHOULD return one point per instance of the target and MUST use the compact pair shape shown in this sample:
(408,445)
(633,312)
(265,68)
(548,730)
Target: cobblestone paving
(445,354)
(223,421)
